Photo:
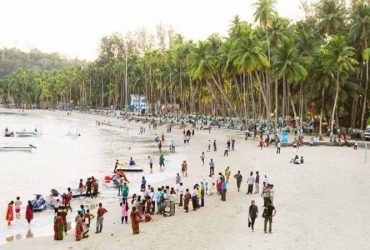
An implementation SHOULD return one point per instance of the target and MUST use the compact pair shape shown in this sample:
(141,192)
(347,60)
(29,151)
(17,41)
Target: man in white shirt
(250,183)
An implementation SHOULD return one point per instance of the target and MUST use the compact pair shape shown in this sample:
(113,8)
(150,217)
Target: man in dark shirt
(253,211)
(269,212)
(239,179)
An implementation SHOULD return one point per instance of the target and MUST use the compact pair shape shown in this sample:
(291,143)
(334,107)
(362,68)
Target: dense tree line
(263,70)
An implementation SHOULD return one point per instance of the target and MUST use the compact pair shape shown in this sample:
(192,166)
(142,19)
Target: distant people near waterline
(150,164)
(100,218)
(211,167)
(268,213)
(161,161)
(115,166)
(252,214)
(29,212)
(18,204)
(9,215)
(250,182)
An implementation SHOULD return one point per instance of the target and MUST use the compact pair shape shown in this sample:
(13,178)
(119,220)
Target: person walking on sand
(239,179)
(271,193)
(209,146)
(150,164)
(268,213)
(178,178)
(211,167)
(250,183)
(214,145)
(355,146)
(253,212)
(18,204)
(161,161)
(29,212)
(227,174)
(58,227)
(135,219)
(278,146)
(184,169)
(223,189)
(100,218)
(124,210)
(9,215)
(226,152)
(202,157)
(63,213)
(257,183)
(266,194)
(125,190)
(187,198)
(232,144)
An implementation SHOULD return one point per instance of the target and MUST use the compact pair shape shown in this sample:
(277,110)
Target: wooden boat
(17,148)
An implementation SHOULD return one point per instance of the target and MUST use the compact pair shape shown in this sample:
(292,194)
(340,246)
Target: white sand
(322,204)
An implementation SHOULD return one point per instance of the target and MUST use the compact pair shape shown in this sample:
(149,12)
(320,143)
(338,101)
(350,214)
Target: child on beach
(18,205)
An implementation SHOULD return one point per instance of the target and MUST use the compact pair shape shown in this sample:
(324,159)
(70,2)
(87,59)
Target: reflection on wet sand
(29,234)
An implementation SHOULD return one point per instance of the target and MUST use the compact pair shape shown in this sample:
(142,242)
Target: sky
(74,28)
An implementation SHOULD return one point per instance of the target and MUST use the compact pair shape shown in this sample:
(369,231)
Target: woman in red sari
(9,216)
(29,212)
(58,227)
(148,205)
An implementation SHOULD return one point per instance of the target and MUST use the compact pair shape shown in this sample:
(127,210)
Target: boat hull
(20,149)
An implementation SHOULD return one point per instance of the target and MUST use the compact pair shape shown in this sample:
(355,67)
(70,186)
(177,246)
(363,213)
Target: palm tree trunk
(276,103)
(335,105)
(365,95)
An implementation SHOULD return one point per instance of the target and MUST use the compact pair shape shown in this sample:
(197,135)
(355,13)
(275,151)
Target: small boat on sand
(25,133)
(39,203)
(17,148)
(130,168)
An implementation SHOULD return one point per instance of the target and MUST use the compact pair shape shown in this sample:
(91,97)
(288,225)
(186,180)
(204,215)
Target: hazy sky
(75,27)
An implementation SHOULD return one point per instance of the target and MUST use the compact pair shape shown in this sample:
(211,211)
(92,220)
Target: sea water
(59,161)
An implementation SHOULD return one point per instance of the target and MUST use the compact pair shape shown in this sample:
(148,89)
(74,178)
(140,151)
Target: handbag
(137,218)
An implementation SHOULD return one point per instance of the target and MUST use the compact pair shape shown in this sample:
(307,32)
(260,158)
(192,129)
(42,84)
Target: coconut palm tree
(338,60)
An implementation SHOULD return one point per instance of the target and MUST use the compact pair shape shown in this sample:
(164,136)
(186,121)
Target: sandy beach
(321,204)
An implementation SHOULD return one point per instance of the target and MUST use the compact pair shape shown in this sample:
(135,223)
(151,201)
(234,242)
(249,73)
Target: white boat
(26,133)
(17,148)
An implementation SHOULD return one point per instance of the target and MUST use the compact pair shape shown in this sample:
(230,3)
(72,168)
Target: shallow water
(60,161)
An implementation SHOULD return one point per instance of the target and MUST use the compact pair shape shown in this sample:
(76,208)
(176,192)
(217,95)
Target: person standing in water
(100,218)
(9,216)
(18,204)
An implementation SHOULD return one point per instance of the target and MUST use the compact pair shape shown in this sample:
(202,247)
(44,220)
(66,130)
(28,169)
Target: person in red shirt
(100,218)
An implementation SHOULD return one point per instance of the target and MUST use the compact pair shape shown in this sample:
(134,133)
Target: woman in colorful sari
(9,216)
(148,203)
(29,212)
(58,227)
(79,227)
(134,222)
